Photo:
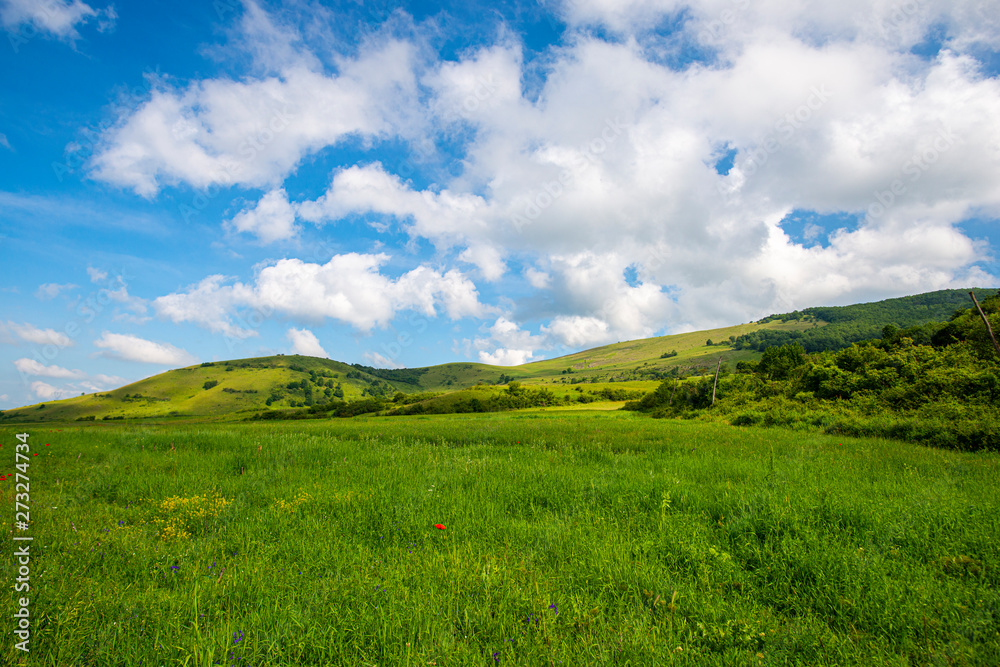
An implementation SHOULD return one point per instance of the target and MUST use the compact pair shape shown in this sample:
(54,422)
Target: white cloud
(132,348)
(31,367)
(47,392)
(505,357)
(210,304)
(4,142)
(599,157)
(445,217)
(255,131)
(58,17)
(96,275)
(728,24)
(32,334)
(380,361)
(348,288)
(49,291)
(488,259)
(107,381)
(577,331)
(272,219)
(537,279)
(511,346)
(305,342)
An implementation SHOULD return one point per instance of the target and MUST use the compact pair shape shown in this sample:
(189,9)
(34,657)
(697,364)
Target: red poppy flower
(46,444)
(439,526)
(35,454)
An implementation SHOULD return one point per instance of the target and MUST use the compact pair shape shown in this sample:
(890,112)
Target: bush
(210,384)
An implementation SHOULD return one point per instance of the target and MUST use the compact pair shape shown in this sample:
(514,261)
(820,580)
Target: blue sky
(405,184)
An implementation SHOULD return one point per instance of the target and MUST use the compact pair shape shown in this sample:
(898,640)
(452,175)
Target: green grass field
(572,538)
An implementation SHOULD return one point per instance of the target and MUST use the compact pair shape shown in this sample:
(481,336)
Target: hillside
(234,387)
(850,324)
(240,388)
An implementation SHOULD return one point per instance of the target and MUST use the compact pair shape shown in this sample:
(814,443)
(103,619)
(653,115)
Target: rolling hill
(240,388)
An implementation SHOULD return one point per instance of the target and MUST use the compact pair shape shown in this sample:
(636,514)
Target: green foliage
(851,324)
(404,375)
(209,384)
(779,363)
(937,384)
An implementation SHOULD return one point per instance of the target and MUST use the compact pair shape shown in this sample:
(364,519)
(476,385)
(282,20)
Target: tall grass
(569,539)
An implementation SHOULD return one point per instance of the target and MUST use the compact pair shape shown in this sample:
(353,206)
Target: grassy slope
(616,359)
(182,391)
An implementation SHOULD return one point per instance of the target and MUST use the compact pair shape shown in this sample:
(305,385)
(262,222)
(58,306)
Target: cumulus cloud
(578,331)
(211,304)
(605,164)
(505,357)
(57,17)
(727,24)
(47,392)
(445,217)
(380,360)
(32,334)
(349,288)
(96,275)
(132,348)
(508,344)
(31,367)
(255,131)
(305,342)
(487,259)
(272,219)
(49,291)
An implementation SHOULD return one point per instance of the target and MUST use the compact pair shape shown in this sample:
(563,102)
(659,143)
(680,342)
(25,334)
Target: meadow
(569,538)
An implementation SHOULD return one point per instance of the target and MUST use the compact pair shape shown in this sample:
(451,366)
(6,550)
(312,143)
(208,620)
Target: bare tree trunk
(716,384)
(673,392)
(989,329)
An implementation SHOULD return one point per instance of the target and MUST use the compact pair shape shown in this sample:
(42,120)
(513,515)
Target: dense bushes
(514,397)
(934,384)
(919,316)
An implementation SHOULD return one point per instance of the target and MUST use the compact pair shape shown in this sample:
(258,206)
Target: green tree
(779,362)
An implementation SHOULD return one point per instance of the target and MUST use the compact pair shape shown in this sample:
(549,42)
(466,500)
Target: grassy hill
(239,388)
(216,389)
